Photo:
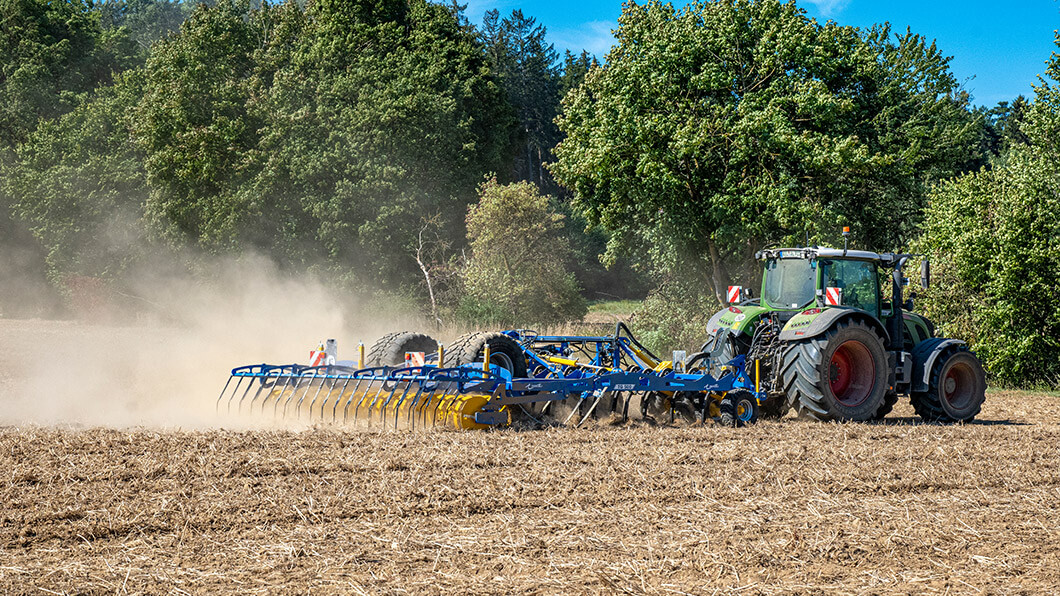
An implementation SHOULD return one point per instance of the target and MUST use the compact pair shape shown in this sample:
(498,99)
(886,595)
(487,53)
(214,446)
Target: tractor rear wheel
(956,391)
(841,375)
(505,352)
(889,399)
(390,349)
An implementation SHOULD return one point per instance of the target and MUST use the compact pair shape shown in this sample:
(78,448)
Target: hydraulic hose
(620,326)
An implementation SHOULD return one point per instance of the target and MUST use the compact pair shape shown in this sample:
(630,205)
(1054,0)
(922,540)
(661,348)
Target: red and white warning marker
(733,294)
(833,296)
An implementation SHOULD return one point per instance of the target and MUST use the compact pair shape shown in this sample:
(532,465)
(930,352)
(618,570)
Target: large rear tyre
(841,375)
(956,391)
(889,399)
(505,352)
(390,349)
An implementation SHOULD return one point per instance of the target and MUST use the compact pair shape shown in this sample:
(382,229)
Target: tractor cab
(795,279)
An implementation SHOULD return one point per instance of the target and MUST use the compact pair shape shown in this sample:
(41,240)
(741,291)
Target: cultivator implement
(510,375)
(386,396)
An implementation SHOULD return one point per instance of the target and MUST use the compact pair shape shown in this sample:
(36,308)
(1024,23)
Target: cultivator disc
(384,396)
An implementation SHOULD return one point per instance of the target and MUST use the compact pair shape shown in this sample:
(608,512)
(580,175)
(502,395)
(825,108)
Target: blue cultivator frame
(470,396)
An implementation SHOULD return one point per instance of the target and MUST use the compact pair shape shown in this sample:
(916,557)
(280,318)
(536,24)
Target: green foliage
(78,183)
(516,274)
(718,127)
(992,237)
(195,127)
(146,21)
(317,135)
(575,67)
(673,317)
(525,66)
(49,53)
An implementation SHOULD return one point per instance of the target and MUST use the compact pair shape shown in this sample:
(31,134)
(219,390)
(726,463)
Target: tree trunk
(529,158)
(719,274)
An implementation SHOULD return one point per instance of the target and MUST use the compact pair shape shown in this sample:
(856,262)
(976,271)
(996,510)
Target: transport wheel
(776,405)
(738,408)
(956,391)
(505,352)
(390,349)
(841,375)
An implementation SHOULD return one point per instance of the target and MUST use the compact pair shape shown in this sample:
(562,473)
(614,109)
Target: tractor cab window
(789,283)
(858,281)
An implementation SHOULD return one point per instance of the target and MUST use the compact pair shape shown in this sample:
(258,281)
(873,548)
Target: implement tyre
(841,375)
(956,391)
(390,349)
(505,352)
(738,408)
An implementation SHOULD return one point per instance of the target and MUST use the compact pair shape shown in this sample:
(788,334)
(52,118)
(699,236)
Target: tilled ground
(783,507)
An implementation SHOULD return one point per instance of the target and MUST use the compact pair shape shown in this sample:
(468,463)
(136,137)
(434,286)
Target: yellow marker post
(360,354)
(441,355)
(757,375)
(486,358)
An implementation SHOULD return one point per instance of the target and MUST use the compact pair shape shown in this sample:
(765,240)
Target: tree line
(470,167)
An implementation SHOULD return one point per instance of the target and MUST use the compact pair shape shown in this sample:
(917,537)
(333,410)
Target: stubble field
(782,507)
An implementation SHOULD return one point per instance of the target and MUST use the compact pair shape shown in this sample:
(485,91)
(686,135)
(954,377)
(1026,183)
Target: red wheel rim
(851,373)
(957,386)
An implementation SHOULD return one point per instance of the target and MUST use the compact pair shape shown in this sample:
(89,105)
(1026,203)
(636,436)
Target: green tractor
(826,342)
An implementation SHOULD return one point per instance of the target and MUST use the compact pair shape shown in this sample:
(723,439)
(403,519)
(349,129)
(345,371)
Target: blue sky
(998,48)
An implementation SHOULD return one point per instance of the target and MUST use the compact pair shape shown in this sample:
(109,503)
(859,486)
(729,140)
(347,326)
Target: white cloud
(829,7)
(594,37)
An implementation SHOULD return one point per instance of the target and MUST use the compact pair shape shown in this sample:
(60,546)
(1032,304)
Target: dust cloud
(167,343)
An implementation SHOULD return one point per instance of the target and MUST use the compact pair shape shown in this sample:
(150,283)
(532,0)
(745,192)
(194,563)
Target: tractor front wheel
(841,375)
(957,389)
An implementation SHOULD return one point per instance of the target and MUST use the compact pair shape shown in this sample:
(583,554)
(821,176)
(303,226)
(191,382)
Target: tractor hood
(739,318)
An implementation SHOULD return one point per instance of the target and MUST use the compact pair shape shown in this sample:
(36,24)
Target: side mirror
(925,274)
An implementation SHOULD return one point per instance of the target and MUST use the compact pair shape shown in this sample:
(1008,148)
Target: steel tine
(279,396)
(410,417)
(309,387)
(261,387)
(383,404)
(353,394)
(419,408)
(335,406)
(575,409)
(441,401)
(217,409)
(320,387)
(275,395)
(294,391)
(356,411)
(239,406)
(386,406)
(415,396)
(232,395)
(592,408)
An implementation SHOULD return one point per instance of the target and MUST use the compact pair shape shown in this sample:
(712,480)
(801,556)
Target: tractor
(829,344)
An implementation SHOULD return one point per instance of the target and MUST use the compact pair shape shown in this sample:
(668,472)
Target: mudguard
(739,318)
(924,357)
(815,321)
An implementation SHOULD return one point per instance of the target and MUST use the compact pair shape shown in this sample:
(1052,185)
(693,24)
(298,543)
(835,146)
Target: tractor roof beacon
(828,344)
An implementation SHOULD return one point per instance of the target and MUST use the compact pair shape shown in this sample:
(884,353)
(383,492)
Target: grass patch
(614,307)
